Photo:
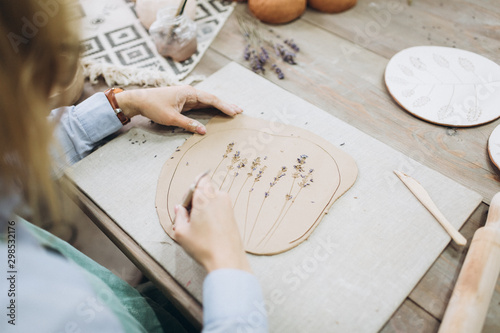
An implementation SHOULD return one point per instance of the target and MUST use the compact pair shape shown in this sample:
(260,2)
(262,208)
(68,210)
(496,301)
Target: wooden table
(340,70)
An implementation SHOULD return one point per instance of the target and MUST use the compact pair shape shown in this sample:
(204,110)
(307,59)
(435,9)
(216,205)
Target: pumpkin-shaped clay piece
(277,11)
(331,6)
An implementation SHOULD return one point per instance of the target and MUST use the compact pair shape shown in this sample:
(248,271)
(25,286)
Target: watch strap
(110,95)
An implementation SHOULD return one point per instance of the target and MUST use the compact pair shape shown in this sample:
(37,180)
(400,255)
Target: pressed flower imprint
(280,191)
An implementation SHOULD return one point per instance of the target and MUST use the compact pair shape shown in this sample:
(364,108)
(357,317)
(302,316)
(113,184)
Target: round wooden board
(445,86)
(494,146)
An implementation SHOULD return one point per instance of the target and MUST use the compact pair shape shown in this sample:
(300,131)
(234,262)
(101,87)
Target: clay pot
(331,6)
(277,11)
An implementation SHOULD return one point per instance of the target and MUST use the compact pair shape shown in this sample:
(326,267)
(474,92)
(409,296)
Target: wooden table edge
(181,299)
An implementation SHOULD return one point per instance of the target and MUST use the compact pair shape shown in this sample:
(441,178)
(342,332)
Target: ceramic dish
(445,86)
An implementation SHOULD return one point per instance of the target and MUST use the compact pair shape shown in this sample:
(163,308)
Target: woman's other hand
(209,233)
(164,105)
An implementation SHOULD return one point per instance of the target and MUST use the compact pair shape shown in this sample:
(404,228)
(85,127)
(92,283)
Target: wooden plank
(425,306)
(184,302)
(388,27)
(434,290)
(211,62)
(411,318)
(352,89)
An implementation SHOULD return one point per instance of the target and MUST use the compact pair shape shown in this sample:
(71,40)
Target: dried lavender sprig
(246,52)
(287,56)
(278,71)
(292,45)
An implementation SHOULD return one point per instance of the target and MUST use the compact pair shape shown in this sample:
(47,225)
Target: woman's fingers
(205,99)
(189,124)
(181,221)
(205,191)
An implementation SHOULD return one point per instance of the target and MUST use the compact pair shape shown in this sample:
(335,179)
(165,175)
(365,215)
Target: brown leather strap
(110,95)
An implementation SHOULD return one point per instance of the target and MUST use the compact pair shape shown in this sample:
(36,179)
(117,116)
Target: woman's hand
(210,234)
(164,105)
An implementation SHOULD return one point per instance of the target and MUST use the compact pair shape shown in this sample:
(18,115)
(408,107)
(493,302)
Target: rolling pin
(471,297)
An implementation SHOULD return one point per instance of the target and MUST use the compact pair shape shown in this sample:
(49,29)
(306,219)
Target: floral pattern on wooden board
(445,86)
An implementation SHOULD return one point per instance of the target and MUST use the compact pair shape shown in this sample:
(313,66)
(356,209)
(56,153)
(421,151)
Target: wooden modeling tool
(471,297)
(426,200)
(188,200)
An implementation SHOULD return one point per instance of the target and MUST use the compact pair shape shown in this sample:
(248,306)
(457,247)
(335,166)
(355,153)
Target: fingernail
(236,108)
(201,129)
(176,208)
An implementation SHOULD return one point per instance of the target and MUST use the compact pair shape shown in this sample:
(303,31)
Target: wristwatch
(110,95)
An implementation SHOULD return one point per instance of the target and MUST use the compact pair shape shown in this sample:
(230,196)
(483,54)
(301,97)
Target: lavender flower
(260,43)
(264,55)
(246,52)
(292,45)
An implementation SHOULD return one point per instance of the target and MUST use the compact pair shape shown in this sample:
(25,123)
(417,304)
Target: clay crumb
(451,131)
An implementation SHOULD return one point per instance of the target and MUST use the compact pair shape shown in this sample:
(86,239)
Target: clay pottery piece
(174,36)
(331,6)
(277,11)
(147,9)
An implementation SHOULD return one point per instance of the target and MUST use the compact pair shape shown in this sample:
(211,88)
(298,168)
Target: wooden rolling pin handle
(471,297)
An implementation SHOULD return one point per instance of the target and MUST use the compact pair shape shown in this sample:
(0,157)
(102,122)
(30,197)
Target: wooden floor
(340,70)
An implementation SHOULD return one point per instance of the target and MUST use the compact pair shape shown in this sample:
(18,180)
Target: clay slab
(280,188)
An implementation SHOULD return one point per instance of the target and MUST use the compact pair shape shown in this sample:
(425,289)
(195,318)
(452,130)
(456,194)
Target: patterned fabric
(112,33)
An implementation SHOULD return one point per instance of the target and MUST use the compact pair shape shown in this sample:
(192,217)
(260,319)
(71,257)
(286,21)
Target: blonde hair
(38,51)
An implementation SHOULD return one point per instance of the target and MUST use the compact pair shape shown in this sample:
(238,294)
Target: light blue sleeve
(232,302)
(80,128)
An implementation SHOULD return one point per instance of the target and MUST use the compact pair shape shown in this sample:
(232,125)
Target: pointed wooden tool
(426,200)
